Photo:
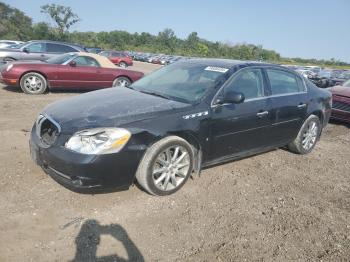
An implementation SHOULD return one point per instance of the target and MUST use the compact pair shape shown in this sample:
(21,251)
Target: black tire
(123,64)
(121,81)
(297,145)
(145,175)
(38,89)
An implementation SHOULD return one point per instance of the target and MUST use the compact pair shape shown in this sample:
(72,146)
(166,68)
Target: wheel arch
(38,72)
(196,145)
(128,77)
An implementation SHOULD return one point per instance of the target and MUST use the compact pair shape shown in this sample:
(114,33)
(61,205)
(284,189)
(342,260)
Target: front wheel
(33,83)
(121,82)
(307,137)
(166,166)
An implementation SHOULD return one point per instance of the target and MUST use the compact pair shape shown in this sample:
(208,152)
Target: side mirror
(72,63)
(232,98)
(26,50)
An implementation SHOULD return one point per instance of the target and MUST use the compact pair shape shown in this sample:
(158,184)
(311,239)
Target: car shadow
(339,123)
(17,89)
(89,237)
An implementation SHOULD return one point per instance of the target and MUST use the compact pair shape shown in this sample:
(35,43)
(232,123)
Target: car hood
(10,50)
(340,90)
(112,107)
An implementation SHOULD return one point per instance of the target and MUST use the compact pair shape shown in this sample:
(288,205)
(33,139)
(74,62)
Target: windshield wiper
(154,94)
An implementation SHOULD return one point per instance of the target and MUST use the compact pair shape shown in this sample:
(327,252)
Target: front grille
(47,130)
(341,106)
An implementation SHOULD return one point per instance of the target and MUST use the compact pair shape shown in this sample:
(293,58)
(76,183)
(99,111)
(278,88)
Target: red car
(341,102)
(118,58)
(68,71)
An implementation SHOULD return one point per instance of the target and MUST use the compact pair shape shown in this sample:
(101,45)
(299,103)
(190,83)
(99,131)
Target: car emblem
(205,113)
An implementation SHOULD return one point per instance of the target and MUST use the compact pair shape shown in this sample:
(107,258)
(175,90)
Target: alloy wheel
(170,168)
(310,135)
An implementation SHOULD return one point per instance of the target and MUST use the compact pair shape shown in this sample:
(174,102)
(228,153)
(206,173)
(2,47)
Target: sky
(294,28)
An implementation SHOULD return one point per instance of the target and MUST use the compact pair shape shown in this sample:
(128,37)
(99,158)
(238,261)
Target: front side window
(86,61)
(248,82)
(283,82)
(36,48)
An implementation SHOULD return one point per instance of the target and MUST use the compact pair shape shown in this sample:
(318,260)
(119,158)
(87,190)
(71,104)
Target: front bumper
(8,81)
(86,173)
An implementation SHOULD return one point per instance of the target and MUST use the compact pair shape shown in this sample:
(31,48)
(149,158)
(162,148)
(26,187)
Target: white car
(7,43)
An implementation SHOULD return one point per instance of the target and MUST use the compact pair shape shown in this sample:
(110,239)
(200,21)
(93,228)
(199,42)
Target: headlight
(8,68)
(99,141)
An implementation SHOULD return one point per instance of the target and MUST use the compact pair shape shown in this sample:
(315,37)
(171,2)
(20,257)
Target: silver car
(38,50)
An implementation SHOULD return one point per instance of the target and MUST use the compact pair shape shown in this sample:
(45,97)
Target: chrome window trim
(213,105)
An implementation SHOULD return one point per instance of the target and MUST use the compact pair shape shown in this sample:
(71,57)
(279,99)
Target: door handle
(300,106)
(263,113)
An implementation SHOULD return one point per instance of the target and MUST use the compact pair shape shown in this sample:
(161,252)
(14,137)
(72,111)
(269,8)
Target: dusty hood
(108,107)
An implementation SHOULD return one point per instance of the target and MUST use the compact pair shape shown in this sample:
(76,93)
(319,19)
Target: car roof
(103,61)
(230,62)
(57,42)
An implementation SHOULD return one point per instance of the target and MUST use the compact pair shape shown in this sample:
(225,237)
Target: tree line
(18,26)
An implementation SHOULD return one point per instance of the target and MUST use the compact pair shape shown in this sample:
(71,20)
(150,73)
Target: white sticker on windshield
(216,69)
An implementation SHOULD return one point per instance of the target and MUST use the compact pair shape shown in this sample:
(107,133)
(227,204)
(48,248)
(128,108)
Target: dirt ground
(276,206)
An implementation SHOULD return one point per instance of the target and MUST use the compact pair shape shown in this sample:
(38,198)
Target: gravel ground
(276,206)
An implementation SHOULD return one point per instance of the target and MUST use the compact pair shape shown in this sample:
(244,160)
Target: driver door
(85,74)
(243,127)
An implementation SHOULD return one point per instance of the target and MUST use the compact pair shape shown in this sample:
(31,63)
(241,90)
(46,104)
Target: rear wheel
(123,64)
(166,166)
(307,137)
(33,83)
(121,81)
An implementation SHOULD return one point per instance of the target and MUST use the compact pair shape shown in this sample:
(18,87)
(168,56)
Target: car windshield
(184,81)
(347,83)
(61,59)
(17,46)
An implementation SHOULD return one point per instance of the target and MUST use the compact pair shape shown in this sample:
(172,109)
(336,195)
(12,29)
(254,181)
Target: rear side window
(57,48)
(249,82)
(283,82)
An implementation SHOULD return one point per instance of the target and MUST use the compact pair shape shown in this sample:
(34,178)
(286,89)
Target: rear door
(244,127)
(53,49)
(289,100)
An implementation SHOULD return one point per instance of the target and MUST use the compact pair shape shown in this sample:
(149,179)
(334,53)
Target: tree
(14,23)
(62,15)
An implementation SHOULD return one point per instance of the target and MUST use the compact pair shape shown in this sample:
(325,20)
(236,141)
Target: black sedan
(175,121)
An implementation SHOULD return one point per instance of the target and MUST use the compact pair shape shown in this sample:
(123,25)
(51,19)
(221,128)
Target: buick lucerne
(177,120)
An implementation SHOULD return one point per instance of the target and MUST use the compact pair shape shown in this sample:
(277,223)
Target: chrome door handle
(301,106)
(262,113)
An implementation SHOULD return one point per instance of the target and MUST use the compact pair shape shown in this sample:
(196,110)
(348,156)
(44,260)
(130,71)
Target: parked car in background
(326,78)
(81,71)
(118,58)
(341,102)
(38,50)
(94,50)
(7,43)
(306,73)
(175,121)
